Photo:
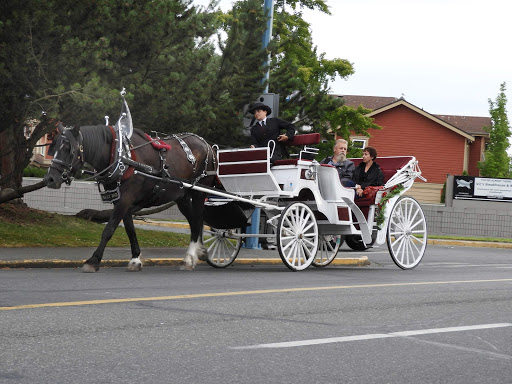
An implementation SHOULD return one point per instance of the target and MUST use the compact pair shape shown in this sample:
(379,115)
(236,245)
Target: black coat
(373,177)
(261,136)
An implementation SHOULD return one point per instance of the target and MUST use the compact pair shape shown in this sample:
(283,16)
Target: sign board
(482,188)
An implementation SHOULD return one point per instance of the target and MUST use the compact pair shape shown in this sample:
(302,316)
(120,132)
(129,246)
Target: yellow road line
(239,293)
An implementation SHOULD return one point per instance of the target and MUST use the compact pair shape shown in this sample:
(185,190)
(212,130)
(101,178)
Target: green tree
(497,162)
(299,74)
(70,59)
(238,72)
(300,70)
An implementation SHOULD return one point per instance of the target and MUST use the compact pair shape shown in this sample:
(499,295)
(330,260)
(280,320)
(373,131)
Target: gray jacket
(345,168)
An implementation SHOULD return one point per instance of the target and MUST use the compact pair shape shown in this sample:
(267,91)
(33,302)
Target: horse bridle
(66,169)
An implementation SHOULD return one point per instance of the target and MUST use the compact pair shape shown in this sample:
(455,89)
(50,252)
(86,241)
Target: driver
(266,129)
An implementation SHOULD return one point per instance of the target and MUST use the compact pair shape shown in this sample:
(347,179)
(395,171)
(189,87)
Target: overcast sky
(445,56)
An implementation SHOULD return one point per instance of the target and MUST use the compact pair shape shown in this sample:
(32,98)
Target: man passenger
(339,160)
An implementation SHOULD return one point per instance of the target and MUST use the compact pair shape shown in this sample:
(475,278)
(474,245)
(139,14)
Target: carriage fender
(361,220)
(381,233)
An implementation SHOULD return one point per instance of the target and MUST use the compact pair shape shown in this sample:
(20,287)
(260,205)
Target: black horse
(95,145)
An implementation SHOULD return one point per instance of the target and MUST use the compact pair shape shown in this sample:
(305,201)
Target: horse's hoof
(88,268)
(135,265)
(202,254)
(186,267)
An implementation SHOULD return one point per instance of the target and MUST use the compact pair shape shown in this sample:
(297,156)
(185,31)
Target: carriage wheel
(355,242)
(297,236)
(223,246)
(327,250)
(407,233)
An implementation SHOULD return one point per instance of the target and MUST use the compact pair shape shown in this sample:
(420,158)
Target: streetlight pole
(254,228)
(269,12)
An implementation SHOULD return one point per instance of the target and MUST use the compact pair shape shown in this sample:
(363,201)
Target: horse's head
(68,157)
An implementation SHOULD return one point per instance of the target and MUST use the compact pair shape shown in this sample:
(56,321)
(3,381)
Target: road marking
(301,343)
(475,265)
(241,293)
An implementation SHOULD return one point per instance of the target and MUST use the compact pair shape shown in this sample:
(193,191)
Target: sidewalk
(119,257)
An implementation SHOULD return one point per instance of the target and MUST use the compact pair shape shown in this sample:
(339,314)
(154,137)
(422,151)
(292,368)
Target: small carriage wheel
(355,242)
(327,250)
(297,236)
(223,246)
(407,233)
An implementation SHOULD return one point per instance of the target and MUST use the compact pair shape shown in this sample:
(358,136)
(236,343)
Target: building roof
(368,102)
(472,125)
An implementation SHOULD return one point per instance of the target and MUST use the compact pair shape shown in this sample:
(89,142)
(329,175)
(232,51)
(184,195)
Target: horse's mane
(96,134)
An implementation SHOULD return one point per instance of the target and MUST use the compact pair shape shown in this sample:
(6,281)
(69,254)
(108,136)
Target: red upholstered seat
(286,162)
(306,139)
(389,166)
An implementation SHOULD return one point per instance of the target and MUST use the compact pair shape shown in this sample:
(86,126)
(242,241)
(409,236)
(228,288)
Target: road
(447,321)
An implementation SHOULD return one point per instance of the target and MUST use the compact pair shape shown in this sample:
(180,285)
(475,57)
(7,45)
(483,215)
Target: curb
(41,263)
(467,243)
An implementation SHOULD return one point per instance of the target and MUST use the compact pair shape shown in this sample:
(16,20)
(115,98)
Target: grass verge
(25,227)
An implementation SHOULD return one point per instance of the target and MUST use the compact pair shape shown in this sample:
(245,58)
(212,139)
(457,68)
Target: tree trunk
(14,157)
(7,194)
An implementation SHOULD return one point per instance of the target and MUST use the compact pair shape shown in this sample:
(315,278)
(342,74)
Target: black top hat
(259,105)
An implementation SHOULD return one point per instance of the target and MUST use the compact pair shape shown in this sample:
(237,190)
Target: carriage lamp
(310,174)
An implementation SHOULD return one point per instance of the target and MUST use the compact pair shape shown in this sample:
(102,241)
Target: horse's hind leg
(135,263)
(192,205)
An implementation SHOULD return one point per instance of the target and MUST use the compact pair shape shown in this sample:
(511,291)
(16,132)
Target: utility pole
(269,12)
(254,228)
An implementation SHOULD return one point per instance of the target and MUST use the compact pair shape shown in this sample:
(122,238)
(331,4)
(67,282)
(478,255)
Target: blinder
(67,169)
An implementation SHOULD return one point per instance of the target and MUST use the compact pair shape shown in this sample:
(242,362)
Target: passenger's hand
(282,138)
(252,146)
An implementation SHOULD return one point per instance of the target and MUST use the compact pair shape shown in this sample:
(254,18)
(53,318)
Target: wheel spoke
(297,238)
(223,246)
(407,233)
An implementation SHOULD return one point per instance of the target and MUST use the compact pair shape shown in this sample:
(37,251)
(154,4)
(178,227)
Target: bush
(32,171)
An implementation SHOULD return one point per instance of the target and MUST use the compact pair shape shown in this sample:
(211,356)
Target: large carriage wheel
(407,233)
(223,246)
(327,250)
(297,236)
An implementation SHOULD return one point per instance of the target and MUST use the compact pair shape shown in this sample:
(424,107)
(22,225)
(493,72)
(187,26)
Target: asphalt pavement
(71,257)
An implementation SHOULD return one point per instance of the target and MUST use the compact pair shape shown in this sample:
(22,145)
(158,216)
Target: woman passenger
(368,172)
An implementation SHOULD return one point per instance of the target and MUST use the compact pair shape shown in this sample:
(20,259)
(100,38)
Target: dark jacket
(261,136)
(374,176)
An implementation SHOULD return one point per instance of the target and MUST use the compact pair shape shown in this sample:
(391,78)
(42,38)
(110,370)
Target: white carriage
(310,212)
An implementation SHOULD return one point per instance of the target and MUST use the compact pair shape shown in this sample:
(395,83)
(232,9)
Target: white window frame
(359,140)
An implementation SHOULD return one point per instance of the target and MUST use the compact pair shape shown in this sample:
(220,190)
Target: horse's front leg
(135,263)
(93,263)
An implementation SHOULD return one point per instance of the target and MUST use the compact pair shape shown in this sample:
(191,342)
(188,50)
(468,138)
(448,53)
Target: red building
(443,144)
